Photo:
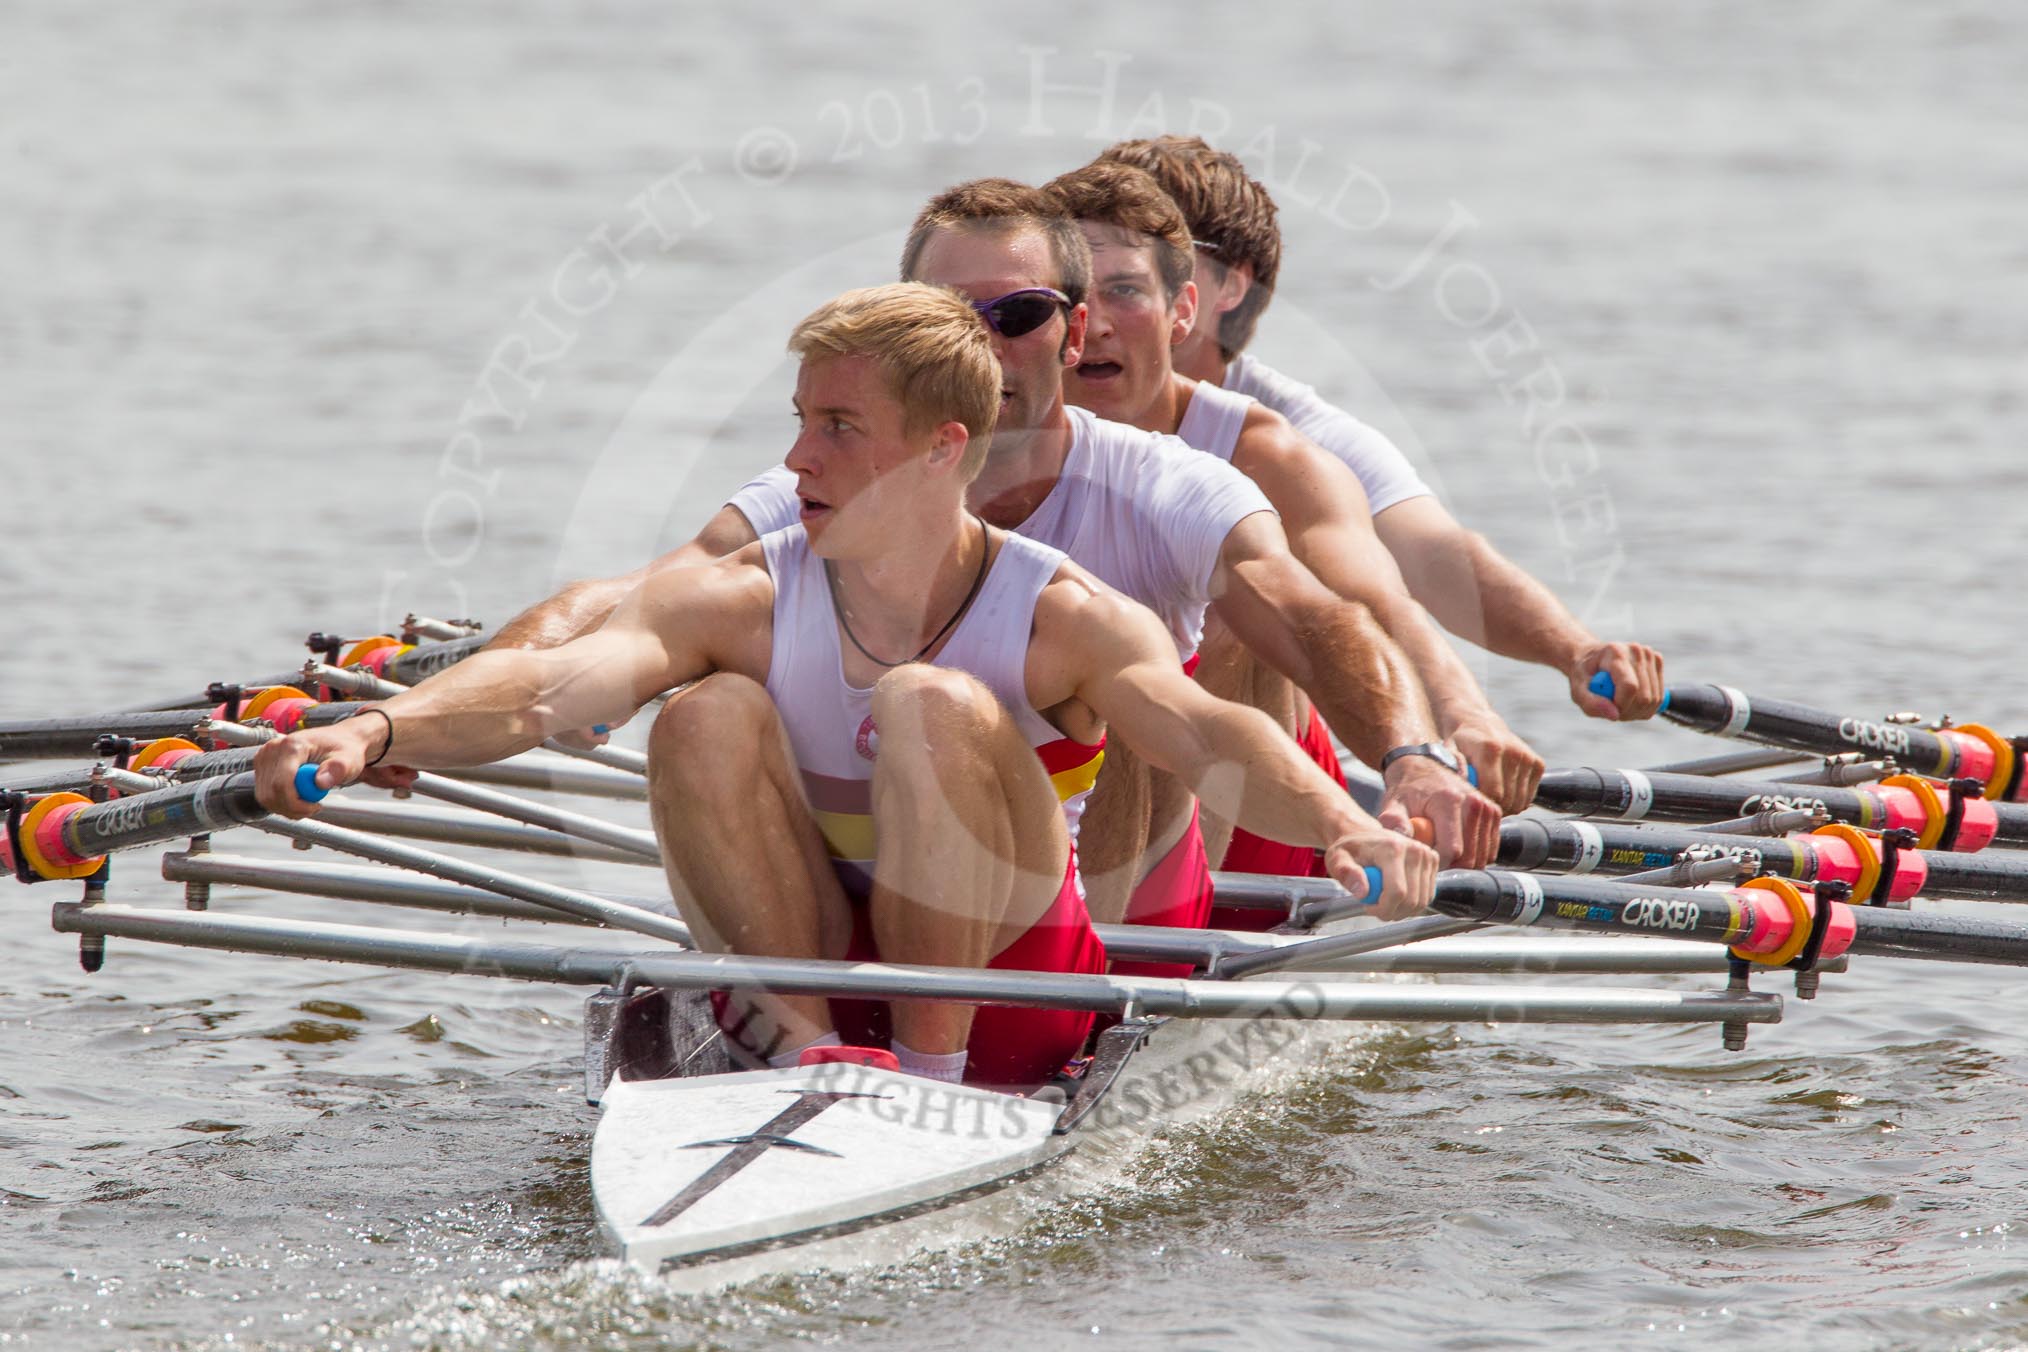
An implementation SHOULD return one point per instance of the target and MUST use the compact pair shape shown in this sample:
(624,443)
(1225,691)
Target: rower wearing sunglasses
(1469,586)
(1171,528)
(1168,526)
(887,716)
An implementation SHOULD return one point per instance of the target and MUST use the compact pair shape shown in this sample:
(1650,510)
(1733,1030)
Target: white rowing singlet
(830,722)
(1213,420)
(1142,512)
(1384,472)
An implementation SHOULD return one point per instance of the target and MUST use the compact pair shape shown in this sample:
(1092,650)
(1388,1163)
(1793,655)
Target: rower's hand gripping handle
(1419,830)
(307,787)
(1602,685)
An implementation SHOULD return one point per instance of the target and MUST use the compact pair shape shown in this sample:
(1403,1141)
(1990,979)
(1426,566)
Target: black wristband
(386,746)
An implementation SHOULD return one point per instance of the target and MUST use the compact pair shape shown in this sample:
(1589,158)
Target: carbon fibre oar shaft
(35,738)
(1835,855)
(67,836)
(282,705)
(401,663)
(205,699)
(1919,807)
(427,659)
(1766,917)
(1535,954)
(1949,753)
(529,770)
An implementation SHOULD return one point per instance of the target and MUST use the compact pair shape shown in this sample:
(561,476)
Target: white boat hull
(698,1170)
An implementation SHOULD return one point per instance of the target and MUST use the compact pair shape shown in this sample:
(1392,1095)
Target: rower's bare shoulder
(1076,608)
(1275,454)
(1069,590)
(736,589)
(1267,438)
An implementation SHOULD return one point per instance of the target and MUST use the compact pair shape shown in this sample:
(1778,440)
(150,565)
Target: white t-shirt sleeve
(1384,472)
(1193,501)
(768,501)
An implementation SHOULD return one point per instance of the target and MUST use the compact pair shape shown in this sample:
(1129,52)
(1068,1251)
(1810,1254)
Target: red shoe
(878,1057)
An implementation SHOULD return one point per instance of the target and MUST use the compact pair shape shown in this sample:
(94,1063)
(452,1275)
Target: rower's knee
(921,708)
(708,731)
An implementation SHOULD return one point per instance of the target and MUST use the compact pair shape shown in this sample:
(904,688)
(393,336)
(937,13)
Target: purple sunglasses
(1022,311)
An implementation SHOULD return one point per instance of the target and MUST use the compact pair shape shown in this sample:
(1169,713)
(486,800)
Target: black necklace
(978,580)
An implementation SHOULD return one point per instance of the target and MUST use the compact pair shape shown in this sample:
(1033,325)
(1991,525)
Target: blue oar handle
(1601,683)
(307,787)
(1372,884)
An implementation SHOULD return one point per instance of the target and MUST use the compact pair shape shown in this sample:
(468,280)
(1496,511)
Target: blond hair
(932,346)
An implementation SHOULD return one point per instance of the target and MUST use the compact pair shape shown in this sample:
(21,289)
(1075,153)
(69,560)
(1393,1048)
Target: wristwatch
(1436,751)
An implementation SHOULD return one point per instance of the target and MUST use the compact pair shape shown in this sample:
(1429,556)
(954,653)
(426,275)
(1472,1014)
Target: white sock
(788,1060)
(947,1066)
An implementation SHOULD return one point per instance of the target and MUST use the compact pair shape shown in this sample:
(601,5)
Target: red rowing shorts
(1176,892)
(1010,1045)
(1249,853)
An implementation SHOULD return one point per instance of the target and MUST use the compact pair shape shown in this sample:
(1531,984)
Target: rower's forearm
(1509,612)
(496,704)
(1280,794)
(572,613)
(1365,685)
(1453,695)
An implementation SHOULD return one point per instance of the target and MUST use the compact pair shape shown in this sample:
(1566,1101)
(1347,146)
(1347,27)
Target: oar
(1759,918)
(1966,751)
(482,828)
(1877,870)
(199,872)
(387,656)
(66,835)
(69,836)
(284,706)
(1767,920)
(388,660)
(529,770)
(634,842)
(205,699)
(38,738)
(406,663)
(1940,817)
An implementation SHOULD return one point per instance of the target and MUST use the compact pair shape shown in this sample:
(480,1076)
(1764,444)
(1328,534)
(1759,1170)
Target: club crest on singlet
(867,741)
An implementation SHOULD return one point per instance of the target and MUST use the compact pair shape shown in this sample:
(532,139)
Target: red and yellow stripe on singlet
(843,808)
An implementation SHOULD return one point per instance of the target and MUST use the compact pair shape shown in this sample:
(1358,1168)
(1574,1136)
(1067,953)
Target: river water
(1712,316)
